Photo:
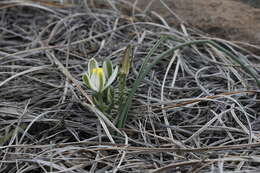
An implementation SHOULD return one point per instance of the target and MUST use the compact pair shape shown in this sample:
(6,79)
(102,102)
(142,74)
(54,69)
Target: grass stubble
(193,102)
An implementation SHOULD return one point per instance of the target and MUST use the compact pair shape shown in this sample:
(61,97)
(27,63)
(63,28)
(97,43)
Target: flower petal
(92,64)
(98,78)
(87,81)
(112,78)
(108,68)
(94,79)
(102,79)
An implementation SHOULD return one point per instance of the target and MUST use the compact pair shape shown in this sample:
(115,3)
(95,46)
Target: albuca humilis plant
(99,80)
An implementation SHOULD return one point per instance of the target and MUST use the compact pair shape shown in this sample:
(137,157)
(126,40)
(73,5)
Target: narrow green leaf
(124,112)
(110,95)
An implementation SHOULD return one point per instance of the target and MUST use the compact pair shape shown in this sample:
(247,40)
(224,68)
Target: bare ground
(228,19)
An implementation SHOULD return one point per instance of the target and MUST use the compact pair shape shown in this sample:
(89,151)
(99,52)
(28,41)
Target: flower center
(98,71)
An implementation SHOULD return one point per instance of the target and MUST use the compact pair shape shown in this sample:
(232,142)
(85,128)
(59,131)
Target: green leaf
(146,67)
(122,117)
(110,95)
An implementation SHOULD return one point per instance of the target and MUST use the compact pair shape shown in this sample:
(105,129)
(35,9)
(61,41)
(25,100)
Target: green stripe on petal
(92,64)
(108,68)
(86,80)
(94,79)
(98,78)
(89,83)
(102,79)
(112,78)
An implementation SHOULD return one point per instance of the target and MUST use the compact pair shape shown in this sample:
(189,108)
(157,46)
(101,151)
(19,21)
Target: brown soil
(228,19)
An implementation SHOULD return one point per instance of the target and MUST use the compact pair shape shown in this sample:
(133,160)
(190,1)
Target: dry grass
(196,111)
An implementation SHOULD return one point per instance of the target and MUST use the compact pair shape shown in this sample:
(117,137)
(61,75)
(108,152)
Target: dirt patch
(227,19)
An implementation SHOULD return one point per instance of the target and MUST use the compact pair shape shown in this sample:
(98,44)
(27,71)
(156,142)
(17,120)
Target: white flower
(97,78)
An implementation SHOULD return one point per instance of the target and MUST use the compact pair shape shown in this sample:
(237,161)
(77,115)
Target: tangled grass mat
(196,110)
